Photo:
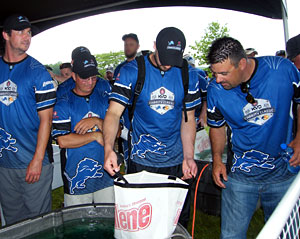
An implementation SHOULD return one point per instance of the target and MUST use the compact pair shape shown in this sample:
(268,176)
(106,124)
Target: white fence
(284,223)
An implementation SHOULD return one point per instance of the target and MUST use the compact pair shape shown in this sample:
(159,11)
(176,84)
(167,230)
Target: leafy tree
(212,32)
(105,60)
(55,67)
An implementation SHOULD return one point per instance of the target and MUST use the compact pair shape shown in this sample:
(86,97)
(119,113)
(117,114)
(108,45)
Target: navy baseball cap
(170,44)
(85,65)
(18,22)
(78,51)
(293,47)
(131,35)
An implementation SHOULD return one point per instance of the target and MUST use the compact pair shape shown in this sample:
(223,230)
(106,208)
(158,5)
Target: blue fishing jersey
(258,129)
(25,89)
(156,136)
(82,167)
(200,75)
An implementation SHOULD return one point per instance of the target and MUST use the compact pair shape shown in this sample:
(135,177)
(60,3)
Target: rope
(195,199)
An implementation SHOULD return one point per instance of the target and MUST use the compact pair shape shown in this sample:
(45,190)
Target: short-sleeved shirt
(258,129)
(82,167)
(156,134)
(69,84)
(200,74)
(25,89)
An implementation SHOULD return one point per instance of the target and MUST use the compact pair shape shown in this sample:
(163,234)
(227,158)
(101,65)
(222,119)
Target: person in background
(254,97)
(131,46)
(27,100)
(66,70)
(200,112)
(281,53)
(251,52)
(109,75)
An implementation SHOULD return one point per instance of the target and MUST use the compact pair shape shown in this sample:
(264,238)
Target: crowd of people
(152,105)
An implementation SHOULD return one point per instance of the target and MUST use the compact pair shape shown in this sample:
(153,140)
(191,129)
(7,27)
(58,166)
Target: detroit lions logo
(6,142)
(251,159)
(86,168)
(147,143)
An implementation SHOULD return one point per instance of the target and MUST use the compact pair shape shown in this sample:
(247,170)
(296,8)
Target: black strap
(137,90)
(185,82)
(139,84)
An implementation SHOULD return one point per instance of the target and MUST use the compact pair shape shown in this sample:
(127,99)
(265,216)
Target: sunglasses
(245,89)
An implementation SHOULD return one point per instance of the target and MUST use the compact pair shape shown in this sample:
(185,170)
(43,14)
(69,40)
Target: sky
(103,33)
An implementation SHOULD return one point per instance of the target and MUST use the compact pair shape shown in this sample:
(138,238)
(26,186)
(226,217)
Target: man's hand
(295,160)
(85,124)
(189,169)
(34,171)
(110,162)
(219,169)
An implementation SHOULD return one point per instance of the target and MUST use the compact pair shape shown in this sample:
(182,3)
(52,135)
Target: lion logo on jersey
(6,142)
(147,143)
(86,169)
(251,159)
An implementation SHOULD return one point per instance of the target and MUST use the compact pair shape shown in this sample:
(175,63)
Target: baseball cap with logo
(78,51)
(85,65)
(293,47)
(18,22)
(189,59)
(170,44)
(110,69)
(250,51)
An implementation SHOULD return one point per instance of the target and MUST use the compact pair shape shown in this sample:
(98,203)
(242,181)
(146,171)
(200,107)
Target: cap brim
(171,58)
(88,73)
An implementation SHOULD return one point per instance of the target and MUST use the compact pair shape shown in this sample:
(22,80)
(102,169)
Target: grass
(206,226)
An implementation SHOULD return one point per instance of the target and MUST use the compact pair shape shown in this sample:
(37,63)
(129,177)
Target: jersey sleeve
(203,87)
(45,92)
(124,84)
(61,121)
(192,99)
(215,119)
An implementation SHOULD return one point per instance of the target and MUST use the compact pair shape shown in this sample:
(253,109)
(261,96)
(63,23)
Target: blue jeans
(239,201)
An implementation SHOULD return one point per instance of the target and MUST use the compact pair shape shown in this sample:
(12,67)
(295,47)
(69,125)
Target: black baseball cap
(85,65)
(79,51)
(131,35)
(293,47)
(170,44)
(18,22)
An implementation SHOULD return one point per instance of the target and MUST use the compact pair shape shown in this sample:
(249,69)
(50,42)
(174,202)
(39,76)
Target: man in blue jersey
(254,97)
(162,141)
(77,127)
(27,98)
(131,46)
(200,112)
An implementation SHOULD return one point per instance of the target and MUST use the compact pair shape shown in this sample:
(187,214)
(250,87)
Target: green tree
(55,67)
(212,32)
(109,59)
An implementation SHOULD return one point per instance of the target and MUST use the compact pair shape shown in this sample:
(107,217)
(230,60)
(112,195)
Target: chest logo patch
(162,100)
(8,92)
(259,113)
